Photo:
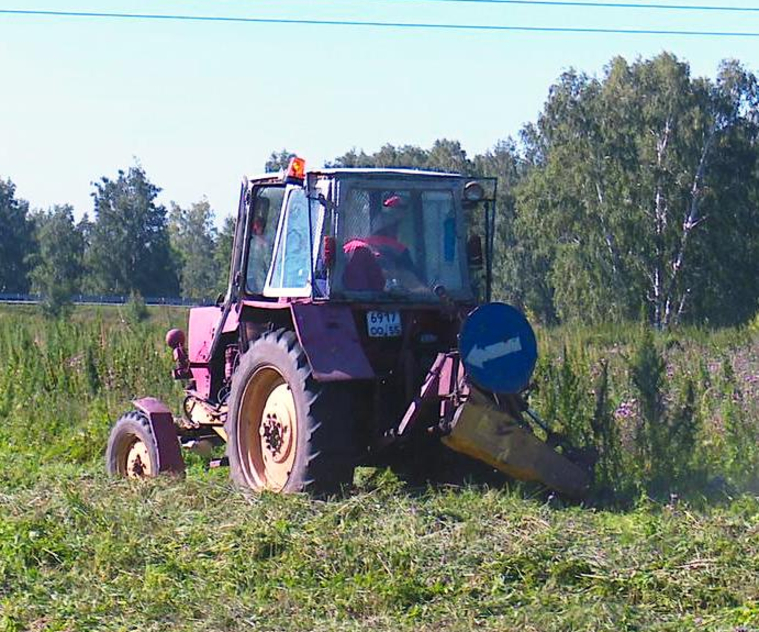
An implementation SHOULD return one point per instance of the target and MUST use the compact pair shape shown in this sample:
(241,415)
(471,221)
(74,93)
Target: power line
(602,5)
(393,25)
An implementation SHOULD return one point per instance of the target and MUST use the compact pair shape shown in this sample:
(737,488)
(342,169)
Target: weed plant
(672,413)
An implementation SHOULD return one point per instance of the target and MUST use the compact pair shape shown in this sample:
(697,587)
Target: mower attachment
(499,351)
(493,437)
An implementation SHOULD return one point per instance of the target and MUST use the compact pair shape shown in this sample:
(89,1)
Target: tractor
(357,322)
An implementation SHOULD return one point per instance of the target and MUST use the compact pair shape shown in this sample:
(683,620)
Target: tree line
(133,246)
(634,194)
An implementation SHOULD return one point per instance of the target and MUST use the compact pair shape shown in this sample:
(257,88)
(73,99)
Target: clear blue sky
(201,104)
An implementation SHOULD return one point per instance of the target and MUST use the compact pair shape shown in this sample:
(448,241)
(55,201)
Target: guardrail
(94,299)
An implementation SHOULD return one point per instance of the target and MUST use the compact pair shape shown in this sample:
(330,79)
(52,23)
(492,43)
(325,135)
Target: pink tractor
(356,325)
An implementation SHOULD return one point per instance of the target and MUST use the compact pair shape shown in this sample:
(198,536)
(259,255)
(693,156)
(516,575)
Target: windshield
(399,242)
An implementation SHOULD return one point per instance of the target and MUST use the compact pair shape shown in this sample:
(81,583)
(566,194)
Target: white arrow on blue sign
(498,348)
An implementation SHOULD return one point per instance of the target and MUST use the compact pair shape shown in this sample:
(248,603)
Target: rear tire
(132,451)
(286,431)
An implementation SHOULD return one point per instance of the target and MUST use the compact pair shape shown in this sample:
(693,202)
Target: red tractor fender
(164,432)
(331,341)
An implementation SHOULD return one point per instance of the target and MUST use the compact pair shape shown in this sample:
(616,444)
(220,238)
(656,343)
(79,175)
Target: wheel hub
(274,435)
(138,461)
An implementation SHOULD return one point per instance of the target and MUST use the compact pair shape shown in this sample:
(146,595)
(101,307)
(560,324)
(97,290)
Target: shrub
(667,430)
(136,310)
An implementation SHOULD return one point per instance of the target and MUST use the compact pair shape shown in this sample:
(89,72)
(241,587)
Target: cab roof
(362,171)
(368,171)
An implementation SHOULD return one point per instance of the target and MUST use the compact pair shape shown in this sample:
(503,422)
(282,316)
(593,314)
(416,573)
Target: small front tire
(132,450)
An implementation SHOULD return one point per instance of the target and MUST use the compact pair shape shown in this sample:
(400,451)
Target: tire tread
(331,444)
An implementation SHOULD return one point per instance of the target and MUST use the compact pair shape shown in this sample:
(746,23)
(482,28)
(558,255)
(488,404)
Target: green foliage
(740,438)
(609,471)
(564,383)
(16,239)
(648,373)
(504,163)
(667,434)
(63,383)
(223,253)
(665,414)
(753,325)
(193,239)
(444,155)
(129,241)
(136,309)
(58,263)
(635,181)
(279,160)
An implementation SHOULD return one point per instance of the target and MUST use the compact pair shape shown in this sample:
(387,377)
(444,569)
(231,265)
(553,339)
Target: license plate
(383,324)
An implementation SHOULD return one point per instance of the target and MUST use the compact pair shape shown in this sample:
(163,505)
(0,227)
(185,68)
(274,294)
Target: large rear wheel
(287,432)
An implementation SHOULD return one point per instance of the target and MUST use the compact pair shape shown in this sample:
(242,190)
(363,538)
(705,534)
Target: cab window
(291,271)
(267,203)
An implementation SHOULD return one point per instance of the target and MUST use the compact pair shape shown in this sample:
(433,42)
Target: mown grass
(78,552)
(81,552)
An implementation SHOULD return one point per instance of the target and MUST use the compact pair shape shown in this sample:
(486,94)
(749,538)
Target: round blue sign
(498,348)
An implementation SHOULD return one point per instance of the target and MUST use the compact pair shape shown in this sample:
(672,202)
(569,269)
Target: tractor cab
(365,235)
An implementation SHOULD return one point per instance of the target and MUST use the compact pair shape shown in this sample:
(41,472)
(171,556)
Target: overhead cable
(390,25)
(601,5)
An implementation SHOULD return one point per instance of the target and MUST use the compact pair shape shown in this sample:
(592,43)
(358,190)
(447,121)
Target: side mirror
(474,193)
(474,252)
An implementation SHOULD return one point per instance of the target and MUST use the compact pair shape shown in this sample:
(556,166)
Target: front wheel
(287,432)
(132,450)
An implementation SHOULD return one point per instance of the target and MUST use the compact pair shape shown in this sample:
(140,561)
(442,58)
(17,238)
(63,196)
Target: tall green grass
(673,413)
(62,385)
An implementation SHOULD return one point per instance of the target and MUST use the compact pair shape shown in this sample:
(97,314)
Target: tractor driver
(259,256)
(380,261)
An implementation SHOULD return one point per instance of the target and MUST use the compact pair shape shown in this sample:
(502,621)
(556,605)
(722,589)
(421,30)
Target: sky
(200,104)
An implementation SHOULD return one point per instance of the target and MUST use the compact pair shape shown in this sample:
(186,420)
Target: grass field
(669,539)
